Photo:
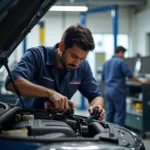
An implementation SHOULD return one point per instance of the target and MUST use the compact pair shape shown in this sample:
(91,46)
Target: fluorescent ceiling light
(68,8)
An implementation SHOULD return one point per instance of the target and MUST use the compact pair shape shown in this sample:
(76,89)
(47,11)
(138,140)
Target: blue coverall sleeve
(126,70)
(27,67)
(89,87)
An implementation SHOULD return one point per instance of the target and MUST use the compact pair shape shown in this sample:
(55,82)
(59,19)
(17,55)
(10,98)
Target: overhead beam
(103,2)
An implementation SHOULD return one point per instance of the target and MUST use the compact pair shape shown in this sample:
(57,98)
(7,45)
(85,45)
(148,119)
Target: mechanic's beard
(65,65)
(70,65)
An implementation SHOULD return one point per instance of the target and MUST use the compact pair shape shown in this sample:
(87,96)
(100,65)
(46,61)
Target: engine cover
(43,127)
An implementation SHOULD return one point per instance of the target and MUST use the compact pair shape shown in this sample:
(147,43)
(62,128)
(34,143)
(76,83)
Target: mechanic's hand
(146,80)
(61,102)
(100,109)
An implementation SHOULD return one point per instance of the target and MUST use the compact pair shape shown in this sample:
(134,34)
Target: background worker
(114,76)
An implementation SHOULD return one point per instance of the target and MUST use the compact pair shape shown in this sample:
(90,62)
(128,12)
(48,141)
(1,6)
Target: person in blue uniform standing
(56,73)
(114,76)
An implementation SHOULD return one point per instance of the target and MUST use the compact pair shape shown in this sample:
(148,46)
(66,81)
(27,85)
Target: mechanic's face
(121,54)
(72,57)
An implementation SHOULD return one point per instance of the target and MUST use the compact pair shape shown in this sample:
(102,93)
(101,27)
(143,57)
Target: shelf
(138,93)
(135,99)
(131,83)
(134,113)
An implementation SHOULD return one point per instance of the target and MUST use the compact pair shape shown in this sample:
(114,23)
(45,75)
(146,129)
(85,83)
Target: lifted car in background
(32,129)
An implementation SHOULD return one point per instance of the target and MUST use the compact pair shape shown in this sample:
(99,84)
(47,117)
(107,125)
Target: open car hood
(17,18)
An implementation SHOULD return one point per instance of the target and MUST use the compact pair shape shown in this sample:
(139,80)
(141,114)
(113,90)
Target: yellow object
(42,35)
(138,106)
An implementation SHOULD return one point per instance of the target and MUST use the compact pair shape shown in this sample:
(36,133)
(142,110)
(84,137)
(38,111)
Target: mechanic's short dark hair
(79,35)
(119,48)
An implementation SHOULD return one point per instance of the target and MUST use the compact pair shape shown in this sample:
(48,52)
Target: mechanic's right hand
(60,101)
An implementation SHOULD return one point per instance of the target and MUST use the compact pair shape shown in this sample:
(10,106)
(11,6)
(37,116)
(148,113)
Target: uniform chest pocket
(73,87)
(47,82)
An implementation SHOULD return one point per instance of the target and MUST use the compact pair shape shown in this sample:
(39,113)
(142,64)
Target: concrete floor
(145,141)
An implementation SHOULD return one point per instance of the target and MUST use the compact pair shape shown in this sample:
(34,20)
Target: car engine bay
(48,126)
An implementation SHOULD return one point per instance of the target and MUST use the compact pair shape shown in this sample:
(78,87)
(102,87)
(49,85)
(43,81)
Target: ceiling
(97,3)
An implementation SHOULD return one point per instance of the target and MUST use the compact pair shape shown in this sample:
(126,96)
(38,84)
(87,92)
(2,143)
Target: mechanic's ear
(61,46)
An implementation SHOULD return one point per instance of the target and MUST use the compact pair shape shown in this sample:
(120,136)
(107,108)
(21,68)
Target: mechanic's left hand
(100,109)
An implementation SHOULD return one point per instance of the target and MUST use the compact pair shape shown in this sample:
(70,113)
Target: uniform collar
(115,56)
(51,55)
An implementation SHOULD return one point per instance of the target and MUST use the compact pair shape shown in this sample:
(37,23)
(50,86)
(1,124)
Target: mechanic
(114,74)
(56,73)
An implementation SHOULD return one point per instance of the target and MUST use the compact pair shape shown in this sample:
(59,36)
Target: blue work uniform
(114,73)
(38,66)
